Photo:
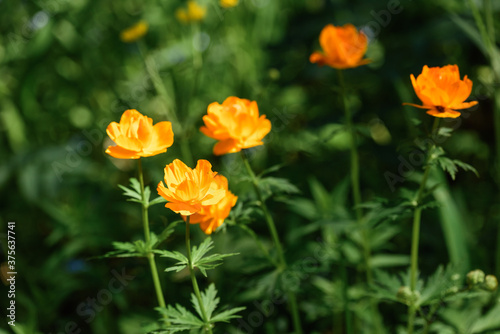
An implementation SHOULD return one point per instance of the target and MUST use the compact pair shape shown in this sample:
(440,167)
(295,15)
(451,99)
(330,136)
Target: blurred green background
(65,75)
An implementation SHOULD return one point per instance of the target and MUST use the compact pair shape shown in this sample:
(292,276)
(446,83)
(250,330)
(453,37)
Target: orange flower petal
(121,153)
(136,133)
(343,47)
(236,124)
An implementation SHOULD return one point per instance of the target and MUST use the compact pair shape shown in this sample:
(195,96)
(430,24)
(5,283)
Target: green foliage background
(65,75)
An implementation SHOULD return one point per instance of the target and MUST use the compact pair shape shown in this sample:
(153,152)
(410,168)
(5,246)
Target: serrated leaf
(209,299)
(466,167)
(271,169)
(489,321)
(227,315)
(436,285)
(448,166)
(122,249)
(277,185)
(180,318)
(167,232)
(130,193)
(209,262)
(182,260)
(199,251)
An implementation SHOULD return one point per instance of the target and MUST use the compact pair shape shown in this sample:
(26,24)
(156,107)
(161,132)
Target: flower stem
(272,228)
(356,192)
(416,233)
(196,289)
(151,256)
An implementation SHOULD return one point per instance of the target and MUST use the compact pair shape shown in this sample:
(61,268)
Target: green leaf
(167,232)
(209,262)
(276,185)
(227,315)
(209,299)
(489,321)
(157,200)
(122,249)
(271,169)
(182,261)
(180,318)
(202,249)
(436,286)
(448,166)
(389,260)
(466,167)
(130,193)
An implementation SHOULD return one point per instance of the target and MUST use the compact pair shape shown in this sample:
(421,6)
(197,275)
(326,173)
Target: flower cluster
(199,193)
(440,89)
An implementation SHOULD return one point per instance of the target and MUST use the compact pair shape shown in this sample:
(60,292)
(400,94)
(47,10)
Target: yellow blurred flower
(135,32)
(193,13)
(228,3)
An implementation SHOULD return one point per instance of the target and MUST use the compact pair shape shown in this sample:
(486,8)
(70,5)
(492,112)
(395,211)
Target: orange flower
(235,124)
(135,136)
(343,47)
(187,190)
(212,216)
(441,91)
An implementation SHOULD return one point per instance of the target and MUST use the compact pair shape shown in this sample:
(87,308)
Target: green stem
(150,256)
(347,312)
(274,233)
(416,233)
(259,243)
(267,215)
(208,326)
(356,191)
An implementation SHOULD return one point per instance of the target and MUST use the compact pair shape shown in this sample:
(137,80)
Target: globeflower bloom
(228,3)
(135,136)
(236,124)
(212,216)
(343,47)
(193,13)
(188,190)
(441,91)
(135,32)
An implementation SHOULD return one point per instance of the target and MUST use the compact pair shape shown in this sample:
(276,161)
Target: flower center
(440,108)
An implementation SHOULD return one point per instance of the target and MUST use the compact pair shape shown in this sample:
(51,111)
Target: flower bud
(406,296)
(475,277)
(490,283)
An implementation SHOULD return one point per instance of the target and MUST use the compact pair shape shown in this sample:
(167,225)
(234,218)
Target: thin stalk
(274,233)
(347,312)
(267,215)
(259,243)
(356,191)
(151,255)
(416,234)
(196,289)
